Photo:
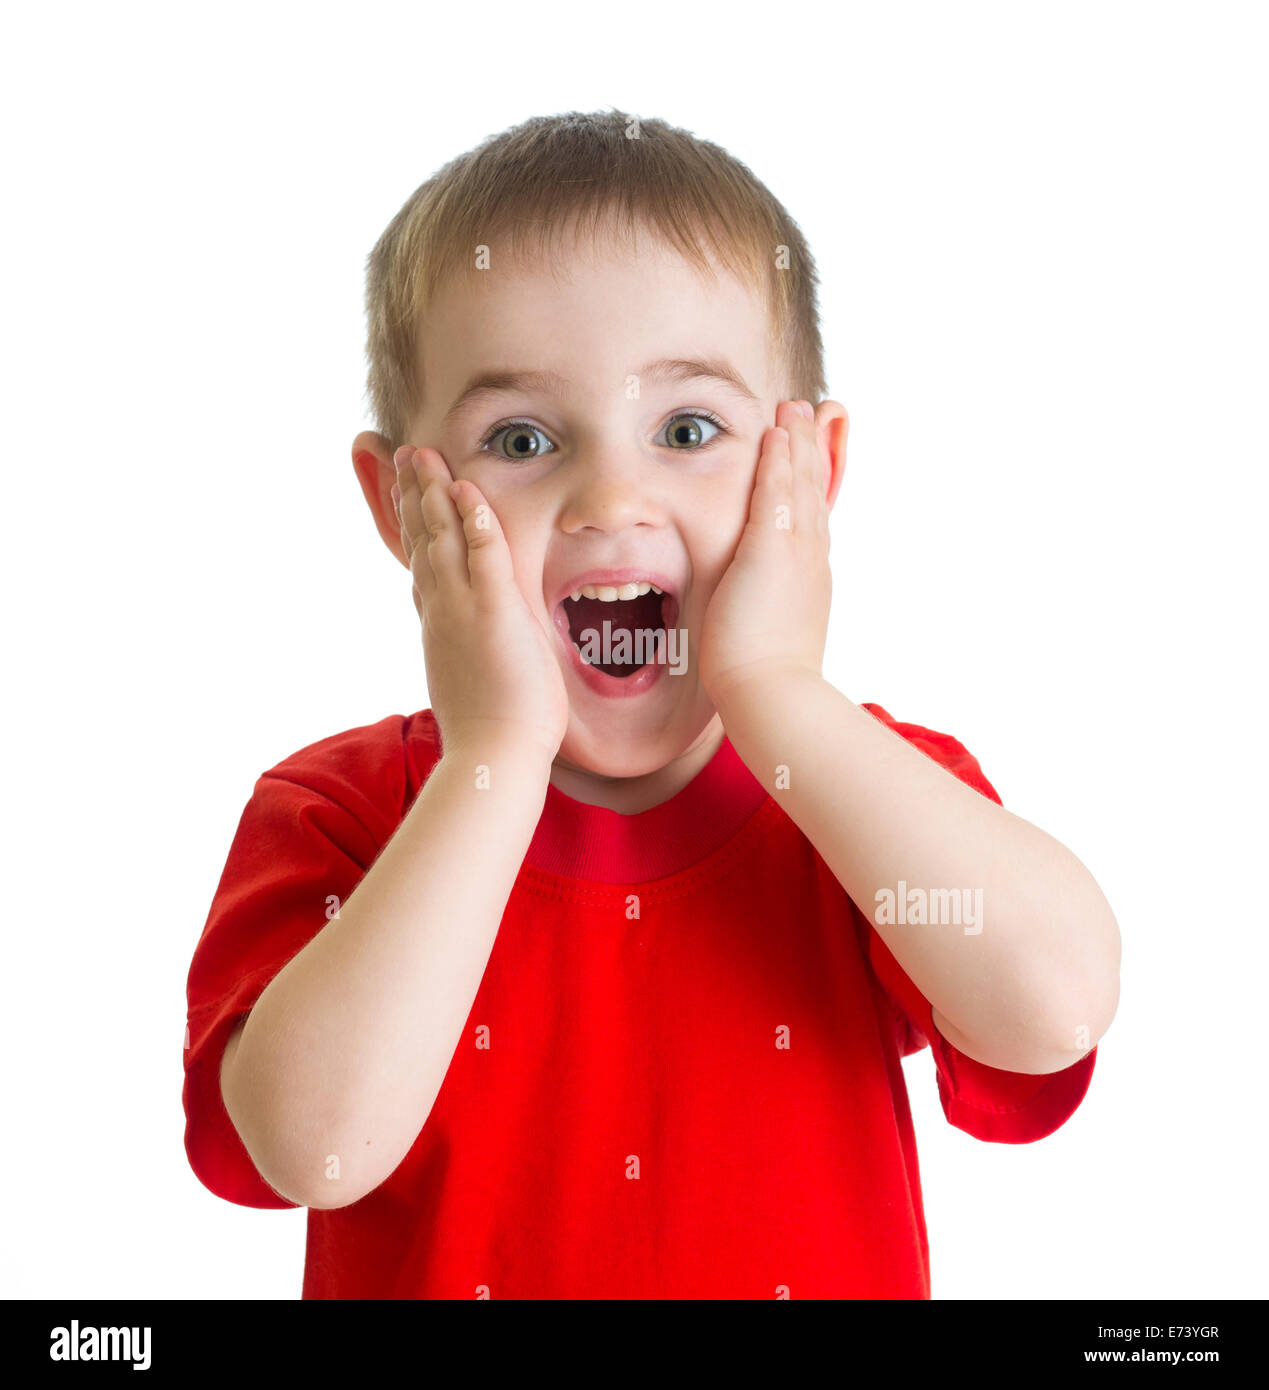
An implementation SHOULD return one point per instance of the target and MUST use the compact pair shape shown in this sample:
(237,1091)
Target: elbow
(1077,1026)
(305,1173)
(328,1201)
(318,1186)
(301,1171)
(1047,1035)
(1078,1015)
(298,1183)
(330,1183)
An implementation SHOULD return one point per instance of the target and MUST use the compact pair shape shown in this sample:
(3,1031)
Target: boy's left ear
(832,425)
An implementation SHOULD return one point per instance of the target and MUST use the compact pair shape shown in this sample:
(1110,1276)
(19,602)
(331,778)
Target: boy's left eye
(683,433)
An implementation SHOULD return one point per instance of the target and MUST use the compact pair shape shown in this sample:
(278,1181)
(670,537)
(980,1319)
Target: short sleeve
(298,853)
(998,1106)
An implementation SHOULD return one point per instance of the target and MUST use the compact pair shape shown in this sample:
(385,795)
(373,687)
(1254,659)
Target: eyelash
(709,415)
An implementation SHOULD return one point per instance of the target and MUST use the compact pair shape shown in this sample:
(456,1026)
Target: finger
(430,467)
(446,544)
(808,470)
(488,555)
(804,432)
(413,530)
(420,570)
(790,417)
(817,437)
(771,505)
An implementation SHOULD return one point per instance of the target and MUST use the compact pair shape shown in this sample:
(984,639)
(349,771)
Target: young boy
(593,979)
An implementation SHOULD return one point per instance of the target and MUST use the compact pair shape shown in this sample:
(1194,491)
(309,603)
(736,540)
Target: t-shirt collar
(581,841)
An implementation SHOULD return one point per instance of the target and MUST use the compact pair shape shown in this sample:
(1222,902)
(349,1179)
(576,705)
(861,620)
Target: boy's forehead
(572,319)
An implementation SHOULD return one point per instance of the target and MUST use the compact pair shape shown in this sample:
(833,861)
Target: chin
(624,748)
(617,754)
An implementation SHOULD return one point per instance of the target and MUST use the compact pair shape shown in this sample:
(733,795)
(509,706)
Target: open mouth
(619,630)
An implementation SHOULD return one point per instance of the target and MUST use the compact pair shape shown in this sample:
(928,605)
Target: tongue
(628,615)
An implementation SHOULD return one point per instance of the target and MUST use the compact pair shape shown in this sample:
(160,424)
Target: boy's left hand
(769,613)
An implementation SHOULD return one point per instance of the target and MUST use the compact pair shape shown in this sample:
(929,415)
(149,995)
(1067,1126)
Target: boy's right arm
(345,1051)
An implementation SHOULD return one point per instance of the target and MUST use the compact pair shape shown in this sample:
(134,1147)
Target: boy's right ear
(372,462)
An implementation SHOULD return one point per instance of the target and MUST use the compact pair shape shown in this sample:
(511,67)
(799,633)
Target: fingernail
(806,409)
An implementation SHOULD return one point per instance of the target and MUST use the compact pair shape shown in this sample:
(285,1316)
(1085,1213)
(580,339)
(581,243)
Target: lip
(615,687)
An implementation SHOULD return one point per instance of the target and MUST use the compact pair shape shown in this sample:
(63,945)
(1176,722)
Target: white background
(1040,230)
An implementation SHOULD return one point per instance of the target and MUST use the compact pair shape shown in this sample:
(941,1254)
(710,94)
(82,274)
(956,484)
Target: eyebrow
(504,380)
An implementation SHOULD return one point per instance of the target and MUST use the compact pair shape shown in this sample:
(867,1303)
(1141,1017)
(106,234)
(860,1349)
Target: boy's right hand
(492,675)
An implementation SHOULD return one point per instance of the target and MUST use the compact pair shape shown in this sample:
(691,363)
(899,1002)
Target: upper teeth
(607,593)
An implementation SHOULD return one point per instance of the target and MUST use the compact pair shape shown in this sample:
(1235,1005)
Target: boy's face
(611,467)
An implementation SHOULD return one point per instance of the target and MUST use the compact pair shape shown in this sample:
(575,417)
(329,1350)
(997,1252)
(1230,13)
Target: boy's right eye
(521,445)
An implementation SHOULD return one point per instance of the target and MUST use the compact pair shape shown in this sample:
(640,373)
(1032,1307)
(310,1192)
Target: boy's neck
(631,795)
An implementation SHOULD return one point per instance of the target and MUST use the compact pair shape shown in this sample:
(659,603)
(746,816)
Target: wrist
(760,686)
(524,752)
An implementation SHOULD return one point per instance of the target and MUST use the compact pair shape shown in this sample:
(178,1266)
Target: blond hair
(523,186)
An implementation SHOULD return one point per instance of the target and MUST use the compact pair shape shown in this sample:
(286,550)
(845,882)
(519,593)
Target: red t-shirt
(680,1076)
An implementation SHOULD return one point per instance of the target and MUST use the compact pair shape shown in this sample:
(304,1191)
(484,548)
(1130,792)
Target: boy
(592,980)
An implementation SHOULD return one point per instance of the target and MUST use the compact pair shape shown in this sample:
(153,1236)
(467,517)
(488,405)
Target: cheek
(511,505)
(527,541)
(511,494)
(717,521)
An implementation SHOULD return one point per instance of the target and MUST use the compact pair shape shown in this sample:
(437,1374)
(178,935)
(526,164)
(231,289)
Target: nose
(610,490)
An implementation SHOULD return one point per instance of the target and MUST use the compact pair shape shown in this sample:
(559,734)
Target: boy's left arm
(1037,987)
